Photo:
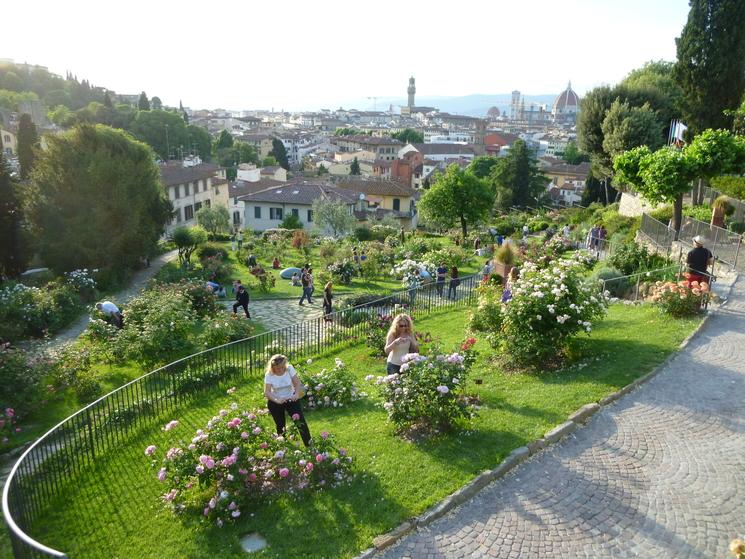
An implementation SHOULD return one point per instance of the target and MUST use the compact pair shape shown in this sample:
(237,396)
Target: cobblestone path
(660,473)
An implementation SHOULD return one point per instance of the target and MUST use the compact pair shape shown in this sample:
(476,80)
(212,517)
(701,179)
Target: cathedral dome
(493,112)
(567,101)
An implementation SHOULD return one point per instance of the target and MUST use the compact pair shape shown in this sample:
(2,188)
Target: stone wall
(632,205)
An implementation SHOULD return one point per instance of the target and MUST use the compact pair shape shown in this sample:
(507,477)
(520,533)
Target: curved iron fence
(78,441)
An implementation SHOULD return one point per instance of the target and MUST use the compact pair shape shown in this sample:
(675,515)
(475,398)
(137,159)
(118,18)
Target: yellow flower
(737,547)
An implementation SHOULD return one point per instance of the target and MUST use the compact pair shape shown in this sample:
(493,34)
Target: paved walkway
(661,473)
(278,313)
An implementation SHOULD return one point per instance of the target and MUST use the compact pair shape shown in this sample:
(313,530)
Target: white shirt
(109,308)
(281,385)
(397,353)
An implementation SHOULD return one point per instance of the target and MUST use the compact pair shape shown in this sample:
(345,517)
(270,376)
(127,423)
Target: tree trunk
(463,227)
(605,183)
(677,215)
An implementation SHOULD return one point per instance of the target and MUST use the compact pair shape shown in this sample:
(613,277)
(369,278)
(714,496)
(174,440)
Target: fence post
(90,432)
(638,279)
(737,251)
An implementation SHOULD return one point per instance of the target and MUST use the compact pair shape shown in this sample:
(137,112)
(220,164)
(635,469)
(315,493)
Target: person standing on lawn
(327,298)
(283,391)
(399,341)
(241,300)
(698,260)
(454,282)
(442,272)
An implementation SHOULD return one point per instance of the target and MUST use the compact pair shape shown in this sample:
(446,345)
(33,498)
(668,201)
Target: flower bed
(237,459)
(330,388)
(681,298)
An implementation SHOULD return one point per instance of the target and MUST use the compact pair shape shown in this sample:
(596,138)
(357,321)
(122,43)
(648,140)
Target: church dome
(567,101)
(493,112)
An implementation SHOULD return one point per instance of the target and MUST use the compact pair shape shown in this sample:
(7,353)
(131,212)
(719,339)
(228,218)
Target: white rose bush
(548,306)
(407,269)
(330,388)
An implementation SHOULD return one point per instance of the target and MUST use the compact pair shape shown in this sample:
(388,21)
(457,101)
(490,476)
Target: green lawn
(113,509)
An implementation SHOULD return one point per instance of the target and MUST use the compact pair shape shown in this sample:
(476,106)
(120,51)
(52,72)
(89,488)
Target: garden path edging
(574,421)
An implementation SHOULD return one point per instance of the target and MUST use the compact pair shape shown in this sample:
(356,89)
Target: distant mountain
(470,105)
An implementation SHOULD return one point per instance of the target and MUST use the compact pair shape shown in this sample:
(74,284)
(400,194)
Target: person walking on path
(327,298)
(454,282)
(442,272)
(112,312)
(239,239)
(283,391)
(305,280)
(698,261)
(399,341)
(241,300)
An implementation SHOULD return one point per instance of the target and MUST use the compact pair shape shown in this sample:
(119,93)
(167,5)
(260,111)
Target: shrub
(212,250)
(407,269)
(363,234)
(330,388)
(505,254)
(615,282)
(291,221)
(300,239)
(631,257)
(8,425)
(236,460)
(382,232)
(548,306)
(679,299)
(83,283)
(342,270)
(31,311)
(426,394)
(87,388)
(452,256)
(327,249)
(215,268)
(21,376)
(376,334)
(737,227)
(418,246)
(200,299)
(703,212)
(225,329)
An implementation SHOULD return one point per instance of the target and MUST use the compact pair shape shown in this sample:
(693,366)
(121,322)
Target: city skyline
(324,56)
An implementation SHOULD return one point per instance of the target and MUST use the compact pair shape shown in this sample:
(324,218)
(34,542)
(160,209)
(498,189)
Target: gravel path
(658,474)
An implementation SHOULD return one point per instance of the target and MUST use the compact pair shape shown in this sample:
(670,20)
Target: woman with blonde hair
(327,297)
(283,391)
(399,341)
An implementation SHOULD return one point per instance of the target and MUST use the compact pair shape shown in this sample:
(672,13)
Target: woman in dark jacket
(327,297)
(454,282)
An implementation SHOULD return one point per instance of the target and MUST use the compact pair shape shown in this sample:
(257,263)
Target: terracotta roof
(375,186)
(443,149)
(174,172)
(241,188)
(581,170)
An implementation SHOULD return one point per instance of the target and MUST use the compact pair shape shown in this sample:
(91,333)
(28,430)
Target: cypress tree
(143,104)
(12,253)
(28,139)
(711,62)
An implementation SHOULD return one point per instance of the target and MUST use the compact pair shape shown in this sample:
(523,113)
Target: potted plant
(719,209)
(504,260)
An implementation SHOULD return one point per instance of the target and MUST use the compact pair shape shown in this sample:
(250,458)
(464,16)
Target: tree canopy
(459,197)
(482,165)
(214,219)
(143,104)
(409,136)
(99,201)
(280,154)
(333,216)
(516,178)
(28,140)
(13,253)
(354,168)
(711,62)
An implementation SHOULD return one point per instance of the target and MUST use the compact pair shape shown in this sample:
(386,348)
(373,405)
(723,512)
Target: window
(188,212)
(236,218)
(197,207)
(396,204)
(196,187)
(177,191)
(7,139)
(257,212)
(275,213)
(295,212)
(310,216)
(204,185)
(186,189)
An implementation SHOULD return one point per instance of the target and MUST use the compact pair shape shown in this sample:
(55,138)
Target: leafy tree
(409,136)
(156,103)
(12,82)
(61,116)
(482,165)
(596,191)
(354,168)
(322,170)
(163,131)
(200,140)
(57,97)
(143,104)
(291,221)
(332,215)
(28,140)
(347,132)
(573,155)
(115,180)
(458,196)
(516,178)
(247,153)
(280,153)
(626,127)
(107,100)
(269,161)
(654,83)
(711,62)
(13,253)
(214,220)
(185,116)
(187,240)
(224,140)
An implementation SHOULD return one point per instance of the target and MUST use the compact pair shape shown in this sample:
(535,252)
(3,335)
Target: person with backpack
(306,282)
(241,300)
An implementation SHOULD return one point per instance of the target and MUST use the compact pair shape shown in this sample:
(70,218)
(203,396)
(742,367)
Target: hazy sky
(311,54)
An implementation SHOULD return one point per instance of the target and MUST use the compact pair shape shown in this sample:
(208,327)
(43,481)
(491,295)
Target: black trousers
(245,308)
(278,414)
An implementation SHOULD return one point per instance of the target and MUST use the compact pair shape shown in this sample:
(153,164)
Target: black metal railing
(80,440)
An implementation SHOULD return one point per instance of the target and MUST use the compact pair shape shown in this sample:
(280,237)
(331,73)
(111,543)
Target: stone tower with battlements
(411,91)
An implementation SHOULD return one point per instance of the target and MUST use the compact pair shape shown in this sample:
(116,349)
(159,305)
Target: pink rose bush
(330,388)
(549,305)
(8,425)
(681,298)
(428,392)
(237,459)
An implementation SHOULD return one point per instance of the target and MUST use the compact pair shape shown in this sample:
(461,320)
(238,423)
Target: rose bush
(681,298)
(236,459)
(330,388)
(548,306)
(427,393)
(224,329)
(406,270)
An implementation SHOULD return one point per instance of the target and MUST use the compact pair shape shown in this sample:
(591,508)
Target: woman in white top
(282,389)
(399,341)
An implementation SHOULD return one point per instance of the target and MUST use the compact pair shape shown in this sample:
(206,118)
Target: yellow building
(9,141)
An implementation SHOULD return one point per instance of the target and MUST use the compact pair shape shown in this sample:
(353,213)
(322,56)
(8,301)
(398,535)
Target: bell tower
(411,91)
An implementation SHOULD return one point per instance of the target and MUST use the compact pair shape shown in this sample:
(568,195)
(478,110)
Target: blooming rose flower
(162,474)
(284,472)
(442,389)
(296,417)
(149,450)
(170,425)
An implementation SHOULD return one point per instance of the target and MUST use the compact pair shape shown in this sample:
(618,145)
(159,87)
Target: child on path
(283,391)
